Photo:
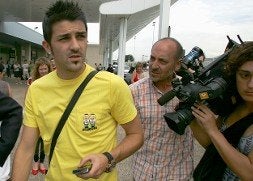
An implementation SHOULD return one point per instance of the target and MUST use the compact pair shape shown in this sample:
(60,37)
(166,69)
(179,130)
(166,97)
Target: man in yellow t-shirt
(89,134)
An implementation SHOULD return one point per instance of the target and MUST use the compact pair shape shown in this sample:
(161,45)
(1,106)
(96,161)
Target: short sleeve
(123,108)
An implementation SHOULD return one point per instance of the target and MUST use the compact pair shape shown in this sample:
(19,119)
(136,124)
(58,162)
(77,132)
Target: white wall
(92,55)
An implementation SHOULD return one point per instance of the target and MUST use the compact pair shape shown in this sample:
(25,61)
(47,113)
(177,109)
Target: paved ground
(124,167)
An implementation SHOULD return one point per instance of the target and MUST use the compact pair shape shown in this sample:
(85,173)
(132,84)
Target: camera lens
(218,86)
(195,53)
(177,121)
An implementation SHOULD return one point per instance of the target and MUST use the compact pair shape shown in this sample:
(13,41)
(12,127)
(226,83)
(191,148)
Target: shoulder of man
(112,79)
(46,79)
(109,75)
(140,83)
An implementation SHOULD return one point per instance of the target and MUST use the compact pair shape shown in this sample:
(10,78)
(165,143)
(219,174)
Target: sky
(202,23)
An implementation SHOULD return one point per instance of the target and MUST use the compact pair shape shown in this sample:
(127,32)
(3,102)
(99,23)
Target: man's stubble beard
(158,79)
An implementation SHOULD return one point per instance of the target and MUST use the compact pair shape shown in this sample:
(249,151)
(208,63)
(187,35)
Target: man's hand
(99,163)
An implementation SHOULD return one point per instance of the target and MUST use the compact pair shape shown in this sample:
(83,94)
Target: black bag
(211,166)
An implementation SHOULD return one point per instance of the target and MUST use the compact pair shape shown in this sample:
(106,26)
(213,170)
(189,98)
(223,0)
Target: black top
(11,117)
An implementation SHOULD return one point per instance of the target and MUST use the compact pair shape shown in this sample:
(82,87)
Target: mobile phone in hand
(81,171)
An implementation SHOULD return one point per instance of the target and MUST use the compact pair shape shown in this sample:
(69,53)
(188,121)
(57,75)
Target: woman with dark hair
(229,140)
(42,67)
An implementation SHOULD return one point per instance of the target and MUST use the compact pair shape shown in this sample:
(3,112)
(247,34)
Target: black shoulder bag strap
(211,166)
(68,110)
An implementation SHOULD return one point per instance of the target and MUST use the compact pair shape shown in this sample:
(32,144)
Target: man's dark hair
(61,10)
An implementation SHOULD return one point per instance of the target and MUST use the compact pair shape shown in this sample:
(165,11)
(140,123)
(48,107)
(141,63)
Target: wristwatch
(111,162)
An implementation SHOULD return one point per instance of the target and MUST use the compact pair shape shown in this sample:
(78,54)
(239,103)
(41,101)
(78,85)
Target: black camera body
(211,92)
(209,85)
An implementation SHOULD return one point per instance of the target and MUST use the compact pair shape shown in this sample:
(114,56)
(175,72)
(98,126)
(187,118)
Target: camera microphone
(166,97)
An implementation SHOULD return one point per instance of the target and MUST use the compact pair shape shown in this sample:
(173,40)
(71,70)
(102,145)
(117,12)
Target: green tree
(129,58)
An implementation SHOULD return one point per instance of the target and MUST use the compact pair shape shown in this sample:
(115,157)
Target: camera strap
(68,110)
(211,166)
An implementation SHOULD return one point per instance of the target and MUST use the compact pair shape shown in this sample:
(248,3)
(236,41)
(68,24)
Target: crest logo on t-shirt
(89,122)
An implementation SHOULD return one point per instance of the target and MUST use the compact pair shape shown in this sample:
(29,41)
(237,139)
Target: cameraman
(229,140)
(165,154)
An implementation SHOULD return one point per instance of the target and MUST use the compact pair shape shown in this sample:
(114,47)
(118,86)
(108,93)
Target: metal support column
(164,19)
(105,59)
(110,53)
(122,46)
(29,52)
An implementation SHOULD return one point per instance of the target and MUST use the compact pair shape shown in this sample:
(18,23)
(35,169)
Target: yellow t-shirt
(91,126)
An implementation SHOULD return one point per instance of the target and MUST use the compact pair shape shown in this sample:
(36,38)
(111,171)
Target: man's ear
(177,65)
(46,46)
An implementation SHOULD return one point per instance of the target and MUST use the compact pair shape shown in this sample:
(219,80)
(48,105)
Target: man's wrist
(111,162)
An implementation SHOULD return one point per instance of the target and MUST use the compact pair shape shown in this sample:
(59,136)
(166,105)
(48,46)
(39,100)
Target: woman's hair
(40,61)
(236,58)
(138,64)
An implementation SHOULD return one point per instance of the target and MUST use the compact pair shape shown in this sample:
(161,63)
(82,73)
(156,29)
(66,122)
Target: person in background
(145,70)
(5,89)
(25,68)
(4,86)
(8,69)
(89,135)
(42,67)
(11,121)
(20,73)
(230,136)
(110,68)
(137,73)
(30,67)
(198,66)
(165,154)
(2,62)
(16,72)
(201,60)
(96,66)
(52,64)
(100,67)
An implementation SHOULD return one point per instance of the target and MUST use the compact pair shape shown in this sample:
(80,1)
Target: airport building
(19,43)
(119,21)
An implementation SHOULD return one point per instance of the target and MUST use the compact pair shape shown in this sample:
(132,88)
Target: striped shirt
(165,154)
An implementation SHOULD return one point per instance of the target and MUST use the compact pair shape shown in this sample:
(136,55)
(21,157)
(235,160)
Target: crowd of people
(20,71)
(81,141)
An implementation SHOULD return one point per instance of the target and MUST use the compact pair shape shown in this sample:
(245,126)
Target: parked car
(114,65)
(127,75)
(126,69)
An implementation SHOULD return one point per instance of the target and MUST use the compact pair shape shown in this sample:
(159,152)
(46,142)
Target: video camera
(191,65)
(208,85)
